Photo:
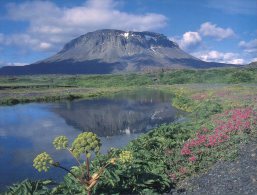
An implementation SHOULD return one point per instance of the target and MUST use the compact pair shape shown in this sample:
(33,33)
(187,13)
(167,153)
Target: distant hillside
(252,64)
(113,51)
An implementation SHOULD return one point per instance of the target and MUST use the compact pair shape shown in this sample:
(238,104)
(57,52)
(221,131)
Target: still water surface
(28,129)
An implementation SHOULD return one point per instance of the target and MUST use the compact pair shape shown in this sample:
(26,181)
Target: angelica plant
(81,149)
(42,162)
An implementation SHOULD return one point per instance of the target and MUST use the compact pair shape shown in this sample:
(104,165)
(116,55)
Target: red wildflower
(185,150)
(192,159)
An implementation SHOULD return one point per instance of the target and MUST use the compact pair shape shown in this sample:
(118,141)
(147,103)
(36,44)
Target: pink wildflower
(173,176)
(183,170)
(192,159)
(185,150)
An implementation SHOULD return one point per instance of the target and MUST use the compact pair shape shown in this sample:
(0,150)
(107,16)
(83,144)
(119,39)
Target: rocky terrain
(113,51)
(227,177)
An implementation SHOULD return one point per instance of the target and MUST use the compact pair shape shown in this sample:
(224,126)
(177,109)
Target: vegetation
(179,76)
(84,145)
(48,88)
(222,116)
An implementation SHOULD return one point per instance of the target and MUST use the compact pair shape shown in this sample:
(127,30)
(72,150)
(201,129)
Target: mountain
(112,51)
(252,65)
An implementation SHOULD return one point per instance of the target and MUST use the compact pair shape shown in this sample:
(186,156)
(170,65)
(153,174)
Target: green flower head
(125,156)
(42,162)
(86,143)
(60,142)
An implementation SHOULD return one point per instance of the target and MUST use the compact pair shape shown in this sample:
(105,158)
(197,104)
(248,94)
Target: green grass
(228,75)
(57,87)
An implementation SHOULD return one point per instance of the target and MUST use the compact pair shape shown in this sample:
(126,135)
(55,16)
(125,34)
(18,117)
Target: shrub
(241,77)
(207,108)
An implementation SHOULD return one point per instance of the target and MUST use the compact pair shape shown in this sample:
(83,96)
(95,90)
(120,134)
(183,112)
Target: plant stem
(80,166)
(59,166)
(88,173)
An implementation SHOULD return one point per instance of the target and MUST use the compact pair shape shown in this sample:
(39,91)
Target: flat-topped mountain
(112,51)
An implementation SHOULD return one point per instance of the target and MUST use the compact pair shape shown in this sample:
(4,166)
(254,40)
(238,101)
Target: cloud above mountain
(216,56)
(192,39)
(51,26)
(194,42)
(33,30)
(212,30)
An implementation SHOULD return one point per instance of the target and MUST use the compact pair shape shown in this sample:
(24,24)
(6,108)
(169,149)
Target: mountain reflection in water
(124,113)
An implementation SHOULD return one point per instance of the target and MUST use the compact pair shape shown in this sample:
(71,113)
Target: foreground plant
(217,139)
(81,149)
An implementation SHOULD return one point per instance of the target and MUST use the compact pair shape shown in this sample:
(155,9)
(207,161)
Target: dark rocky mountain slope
(113,51)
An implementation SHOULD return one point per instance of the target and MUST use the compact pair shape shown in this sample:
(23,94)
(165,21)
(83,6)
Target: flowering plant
(83,146)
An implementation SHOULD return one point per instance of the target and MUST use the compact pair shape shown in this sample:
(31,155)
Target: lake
(29,129)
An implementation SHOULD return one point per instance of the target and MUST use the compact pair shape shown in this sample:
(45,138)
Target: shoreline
(18,96)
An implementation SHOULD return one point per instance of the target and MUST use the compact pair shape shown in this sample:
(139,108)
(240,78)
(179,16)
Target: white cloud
(250,46)
(190,39)
(212,30)
(44,45)
(52,26)
(24,41)
(17,64)
(254,60)
(223,57)
(237,61)
(13,63)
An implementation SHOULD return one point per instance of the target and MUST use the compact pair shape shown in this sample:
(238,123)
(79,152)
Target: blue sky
(212,30)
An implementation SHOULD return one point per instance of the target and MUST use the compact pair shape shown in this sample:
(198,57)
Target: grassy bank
(26,95)
(229,75)
(47,88)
